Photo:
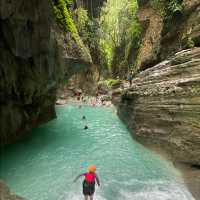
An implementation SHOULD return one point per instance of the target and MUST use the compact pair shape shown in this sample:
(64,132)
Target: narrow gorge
(48,47)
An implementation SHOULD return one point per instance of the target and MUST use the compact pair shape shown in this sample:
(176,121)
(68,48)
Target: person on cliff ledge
(130,78)
(89,182)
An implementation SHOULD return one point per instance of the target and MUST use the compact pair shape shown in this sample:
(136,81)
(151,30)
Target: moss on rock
(64,19)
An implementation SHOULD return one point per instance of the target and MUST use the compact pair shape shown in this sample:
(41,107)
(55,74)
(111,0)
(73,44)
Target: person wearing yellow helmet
(89,182)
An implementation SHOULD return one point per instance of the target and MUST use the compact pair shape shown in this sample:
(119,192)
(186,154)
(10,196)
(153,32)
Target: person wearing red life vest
(89,182)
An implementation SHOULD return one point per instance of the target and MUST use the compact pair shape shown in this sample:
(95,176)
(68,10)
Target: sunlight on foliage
(110,82)
(167,8)
(81,19)
(64,19)
(118,26)
(63,16)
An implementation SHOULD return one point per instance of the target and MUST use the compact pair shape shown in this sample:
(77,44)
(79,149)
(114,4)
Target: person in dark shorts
(89,182)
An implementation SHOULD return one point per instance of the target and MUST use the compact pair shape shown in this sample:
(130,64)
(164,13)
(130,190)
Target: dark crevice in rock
(196,166)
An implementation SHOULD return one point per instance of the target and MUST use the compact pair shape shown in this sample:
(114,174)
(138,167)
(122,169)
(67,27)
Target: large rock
(152,25)
(5,193)
(163,106)
(34,59)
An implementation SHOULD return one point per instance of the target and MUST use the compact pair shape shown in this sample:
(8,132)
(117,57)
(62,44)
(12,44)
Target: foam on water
(44,165)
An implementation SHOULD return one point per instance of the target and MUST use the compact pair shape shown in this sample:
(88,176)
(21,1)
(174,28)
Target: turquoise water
(44,165)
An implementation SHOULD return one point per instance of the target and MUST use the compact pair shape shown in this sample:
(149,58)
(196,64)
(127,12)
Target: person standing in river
(89,182)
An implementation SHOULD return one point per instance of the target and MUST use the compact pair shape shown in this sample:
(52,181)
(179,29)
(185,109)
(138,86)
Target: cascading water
(43,166)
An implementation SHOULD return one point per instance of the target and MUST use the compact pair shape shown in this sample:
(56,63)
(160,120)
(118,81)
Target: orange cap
(92,168)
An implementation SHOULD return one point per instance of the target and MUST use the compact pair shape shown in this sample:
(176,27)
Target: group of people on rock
(94,101)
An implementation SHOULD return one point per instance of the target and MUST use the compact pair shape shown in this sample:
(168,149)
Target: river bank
(190,174)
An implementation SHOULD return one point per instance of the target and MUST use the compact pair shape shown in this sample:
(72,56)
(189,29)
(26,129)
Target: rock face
(5,193)
(163,106)
(34,58)
(164,31)
(152,24)
(92,6)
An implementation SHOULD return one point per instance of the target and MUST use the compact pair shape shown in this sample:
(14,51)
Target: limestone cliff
(35,56)
(167,27)
(163,106)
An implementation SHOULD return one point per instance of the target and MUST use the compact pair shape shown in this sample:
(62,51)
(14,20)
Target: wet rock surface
(5,193)
(163,106)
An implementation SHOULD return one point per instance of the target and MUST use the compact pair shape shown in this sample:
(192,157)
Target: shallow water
(43,166)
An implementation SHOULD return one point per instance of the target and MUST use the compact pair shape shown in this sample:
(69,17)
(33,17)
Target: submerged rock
(163,106)
(5,193)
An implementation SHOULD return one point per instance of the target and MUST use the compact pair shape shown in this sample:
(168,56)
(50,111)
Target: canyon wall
(167,27)
(35,56)
(163,105)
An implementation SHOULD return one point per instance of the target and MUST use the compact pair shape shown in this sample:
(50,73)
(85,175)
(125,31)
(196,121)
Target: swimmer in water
(85,127)
(89,182)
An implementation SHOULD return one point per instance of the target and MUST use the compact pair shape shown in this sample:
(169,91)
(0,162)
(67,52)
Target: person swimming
(89,182)
(84,117)
(85,127)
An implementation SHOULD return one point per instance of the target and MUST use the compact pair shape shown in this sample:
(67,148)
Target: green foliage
(107,52)
(159,5)
(64,19)
(133,38)
(63,16)
(175,5)
(190,43)
(69,2)
(167,8)
(110,82)
(81,19)
(119,27)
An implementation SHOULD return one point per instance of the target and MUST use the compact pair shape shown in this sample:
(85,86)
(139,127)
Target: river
(43,166)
